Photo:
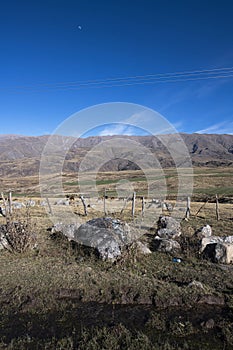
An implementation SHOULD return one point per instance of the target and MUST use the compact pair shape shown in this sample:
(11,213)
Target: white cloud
(224,127)
(153,123)
(118,129)
(139,118)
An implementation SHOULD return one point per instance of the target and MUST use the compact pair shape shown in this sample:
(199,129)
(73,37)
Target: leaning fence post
(133,204)
(201,207)
(84,205)
(50,208)
(217,208)
(188,211)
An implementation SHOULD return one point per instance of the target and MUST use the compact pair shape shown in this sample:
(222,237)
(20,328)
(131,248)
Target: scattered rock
(107,235)
(18,205)
(169,206)
(3,242)
(167,245)
(203,232)
(218,249)
(209,324)
(142,248)
(196,284)
(168,227)
(66,229)
(210,240)
(62,202)
(224,253)
(30,203)
(2,211)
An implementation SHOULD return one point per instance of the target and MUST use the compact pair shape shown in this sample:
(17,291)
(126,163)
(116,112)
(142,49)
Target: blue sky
(44,52)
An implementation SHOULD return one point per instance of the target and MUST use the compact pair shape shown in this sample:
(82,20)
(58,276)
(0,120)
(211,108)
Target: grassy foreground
(60,296)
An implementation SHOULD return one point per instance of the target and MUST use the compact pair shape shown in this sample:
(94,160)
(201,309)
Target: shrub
(18,233)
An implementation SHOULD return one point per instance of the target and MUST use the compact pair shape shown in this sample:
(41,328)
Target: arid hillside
(20,155)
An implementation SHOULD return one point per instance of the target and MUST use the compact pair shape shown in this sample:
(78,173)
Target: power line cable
(216,73)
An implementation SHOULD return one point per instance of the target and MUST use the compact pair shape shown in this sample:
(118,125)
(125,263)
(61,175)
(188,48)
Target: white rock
(205,231)
(142,248)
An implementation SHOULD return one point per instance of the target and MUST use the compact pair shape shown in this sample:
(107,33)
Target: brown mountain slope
(20,155)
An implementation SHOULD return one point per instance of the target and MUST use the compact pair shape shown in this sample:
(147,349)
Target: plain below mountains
(21,155)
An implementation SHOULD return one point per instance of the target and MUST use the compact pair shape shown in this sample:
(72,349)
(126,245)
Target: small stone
(210,324)
(167,245)
(168,227)
(196,284)
(142,248)
(203,232)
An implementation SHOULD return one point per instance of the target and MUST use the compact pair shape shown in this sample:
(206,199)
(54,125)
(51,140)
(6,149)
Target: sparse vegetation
(60,296)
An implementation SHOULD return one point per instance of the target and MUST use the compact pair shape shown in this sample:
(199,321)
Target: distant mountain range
(20,155)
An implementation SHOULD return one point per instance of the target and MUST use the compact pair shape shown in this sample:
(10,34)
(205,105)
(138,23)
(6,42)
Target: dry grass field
(61,296)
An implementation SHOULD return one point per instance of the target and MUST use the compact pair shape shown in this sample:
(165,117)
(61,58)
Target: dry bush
(18,233)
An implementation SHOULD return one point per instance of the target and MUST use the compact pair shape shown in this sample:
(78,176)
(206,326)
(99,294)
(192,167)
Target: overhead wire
(194,75)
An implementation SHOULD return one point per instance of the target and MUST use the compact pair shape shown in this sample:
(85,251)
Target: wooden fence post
(133,204)
(84,205)
(188,209)
(10,202)
(143,206)
(217,209)
(50,208)
(105,212)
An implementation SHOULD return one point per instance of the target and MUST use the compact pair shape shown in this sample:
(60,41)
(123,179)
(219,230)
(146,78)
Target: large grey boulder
(168,227)
(167,245)
(107,235)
